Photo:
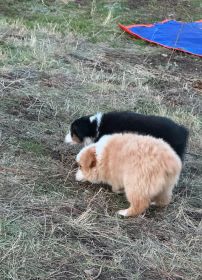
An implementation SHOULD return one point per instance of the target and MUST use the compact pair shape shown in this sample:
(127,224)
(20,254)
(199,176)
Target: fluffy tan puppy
(144,167)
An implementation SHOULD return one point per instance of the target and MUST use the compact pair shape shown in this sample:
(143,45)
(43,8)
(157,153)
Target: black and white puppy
(89,129)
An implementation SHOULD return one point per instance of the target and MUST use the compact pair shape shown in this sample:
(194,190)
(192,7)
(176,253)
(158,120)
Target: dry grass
(55,69)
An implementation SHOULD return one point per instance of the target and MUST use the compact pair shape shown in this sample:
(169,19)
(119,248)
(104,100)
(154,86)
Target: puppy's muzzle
(69,140)
(79,176)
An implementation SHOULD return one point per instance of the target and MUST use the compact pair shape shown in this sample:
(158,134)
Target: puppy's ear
(91,157)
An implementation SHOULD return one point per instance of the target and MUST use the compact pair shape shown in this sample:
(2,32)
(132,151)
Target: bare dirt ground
(61,60)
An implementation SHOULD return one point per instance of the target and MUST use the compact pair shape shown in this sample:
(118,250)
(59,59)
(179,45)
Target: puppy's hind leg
(164,198)
(118,190)
(138,204)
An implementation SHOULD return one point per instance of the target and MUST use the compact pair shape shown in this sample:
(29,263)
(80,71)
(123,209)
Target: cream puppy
(144,167)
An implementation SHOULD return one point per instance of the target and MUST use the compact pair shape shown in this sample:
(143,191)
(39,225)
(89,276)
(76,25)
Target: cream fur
(100,145)
(80,176)
(143,167)
(82,151)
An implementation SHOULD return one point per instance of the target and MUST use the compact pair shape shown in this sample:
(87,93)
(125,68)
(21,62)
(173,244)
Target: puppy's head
(82,130)
(87,162)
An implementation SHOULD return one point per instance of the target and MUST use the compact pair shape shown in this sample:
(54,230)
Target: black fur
(113,122)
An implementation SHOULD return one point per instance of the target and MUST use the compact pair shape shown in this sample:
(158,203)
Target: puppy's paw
(123,213)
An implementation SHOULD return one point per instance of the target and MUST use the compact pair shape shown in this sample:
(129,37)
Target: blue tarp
(183,36)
